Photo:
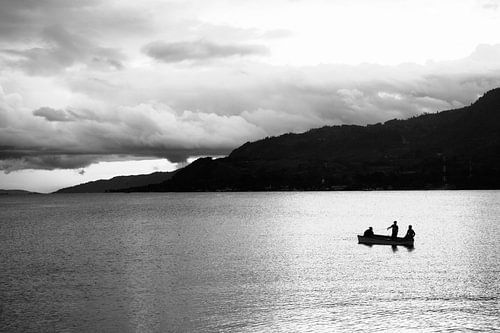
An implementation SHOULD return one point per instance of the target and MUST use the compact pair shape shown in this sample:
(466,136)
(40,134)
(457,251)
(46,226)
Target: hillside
(451,149)
(16,192)
(118,183)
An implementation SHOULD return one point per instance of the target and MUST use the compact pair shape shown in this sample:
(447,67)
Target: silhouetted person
(410,233)
(368,232)
(395,229)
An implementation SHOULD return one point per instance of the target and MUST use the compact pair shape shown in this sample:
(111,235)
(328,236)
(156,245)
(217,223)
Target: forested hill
(16,192)
(450,149)
(117,183)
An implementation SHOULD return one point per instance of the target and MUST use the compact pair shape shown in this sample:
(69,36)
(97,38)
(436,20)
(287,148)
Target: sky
(93,89)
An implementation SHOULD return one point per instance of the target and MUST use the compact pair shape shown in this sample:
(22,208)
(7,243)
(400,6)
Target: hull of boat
(385,240)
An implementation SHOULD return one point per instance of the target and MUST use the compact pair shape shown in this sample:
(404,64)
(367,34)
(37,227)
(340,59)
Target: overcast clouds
(88,81)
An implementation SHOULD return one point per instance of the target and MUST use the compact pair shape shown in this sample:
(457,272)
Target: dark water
(248,262)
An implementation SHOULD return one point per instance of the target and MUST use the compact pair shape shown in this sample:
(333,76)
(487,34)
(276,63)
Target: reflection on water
(394,248)
(248,262)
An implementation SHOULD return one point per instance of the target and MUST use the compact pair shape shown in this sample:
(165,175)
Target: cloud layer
(199,50)
(61,50)
(89,81)
(247,109)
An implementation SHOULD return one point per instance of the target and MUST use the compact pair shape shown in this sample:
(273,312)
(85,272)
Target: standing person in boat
(368,232)
(395,229)
(410,233)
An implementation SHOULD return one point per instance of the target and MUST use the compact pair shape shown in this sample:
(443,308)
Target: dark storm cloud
(38,159)
(49,138)
(47,162)
(199,50)
(52,114)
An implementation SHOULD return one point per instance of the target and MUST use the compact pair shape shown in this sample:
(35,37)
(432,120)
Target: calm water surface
(248,262)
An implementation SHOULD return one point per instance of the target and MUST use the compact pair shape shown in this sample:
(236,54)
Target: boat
(385,240)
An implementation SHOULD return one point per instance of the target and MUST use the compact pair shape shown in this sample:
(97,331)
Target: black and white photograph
(249,166)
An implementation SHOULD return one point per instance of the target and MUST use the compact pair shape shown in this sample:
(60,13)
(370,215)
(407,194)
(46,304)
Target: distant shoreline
(294,190)
(18,192)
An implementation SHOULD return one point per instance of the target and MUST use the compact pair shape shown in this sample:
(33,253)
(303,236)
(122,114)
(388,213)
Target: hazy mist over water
(247,262)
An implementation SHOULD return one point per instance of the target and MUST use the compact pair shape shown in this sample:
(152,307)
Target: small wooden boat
(385,240)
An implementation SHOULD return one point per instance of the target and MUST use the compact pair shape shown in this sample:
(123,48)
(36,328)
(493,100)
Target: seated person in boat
(368,232)
(395,229)
(410,233)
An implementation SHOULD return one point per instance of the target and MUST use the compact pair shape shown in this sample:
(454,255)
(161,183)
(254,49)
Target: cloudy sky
(92,89)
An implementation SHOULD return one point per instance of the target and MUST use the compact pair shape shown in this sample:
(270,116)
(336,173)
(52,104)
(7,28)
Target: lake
(249,262)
